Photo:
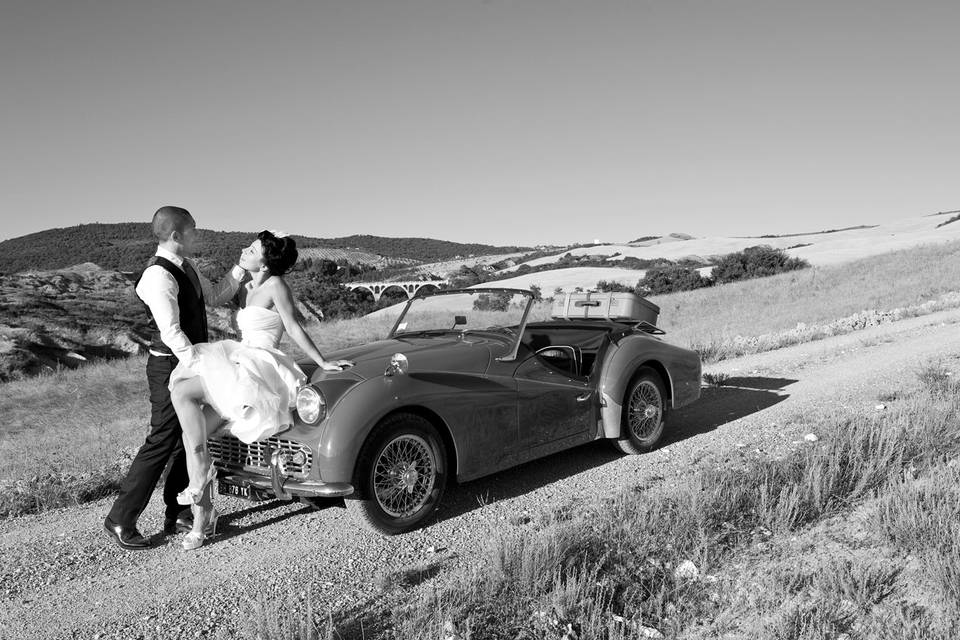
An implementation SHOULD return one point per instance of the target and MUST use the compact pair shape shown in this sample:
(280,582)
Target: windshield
(473,310)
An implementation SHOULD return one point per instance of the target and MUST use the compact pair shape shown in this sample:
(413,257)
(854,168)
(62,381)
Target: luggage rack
(622,308)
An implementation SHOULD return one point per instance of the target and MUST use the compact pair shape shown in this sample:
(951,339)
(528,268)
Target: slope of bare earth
(61,577)
(55,317)
(61,318)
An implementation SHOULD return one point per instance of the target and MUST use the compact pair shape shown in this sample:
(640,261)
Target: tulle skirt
(253,388)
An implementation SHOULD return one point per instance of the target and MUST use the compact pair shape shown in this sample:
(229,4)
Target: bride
(250,383)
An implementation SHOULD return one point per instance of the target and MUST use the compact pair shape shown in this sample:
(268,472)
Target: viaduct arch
(410,287)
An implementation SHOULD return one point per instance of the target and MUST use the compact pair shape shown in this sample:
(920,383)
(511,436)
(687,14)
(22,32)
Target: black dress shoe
(181,523)
(126,537)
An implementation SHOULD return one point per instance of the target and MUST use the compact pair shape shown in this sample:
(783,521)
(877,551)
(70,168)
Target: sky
(498,121)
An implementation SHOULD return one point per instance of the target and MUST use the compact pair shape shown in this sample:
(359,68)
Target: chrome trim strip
(293,487)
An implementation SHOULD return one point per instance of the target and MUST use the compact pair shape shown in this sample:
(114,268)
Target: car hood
(470,354)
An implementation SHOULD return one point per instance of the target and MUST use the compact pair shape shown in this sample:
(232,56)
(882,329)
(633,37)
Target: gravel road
(60,576)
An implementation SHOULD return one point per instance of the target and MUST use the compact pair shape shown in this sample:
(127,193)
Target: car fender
(448,399)
(679,368)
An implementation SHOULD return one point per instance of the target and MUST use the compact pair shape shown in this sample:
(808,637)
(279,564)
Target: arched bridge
(411,288)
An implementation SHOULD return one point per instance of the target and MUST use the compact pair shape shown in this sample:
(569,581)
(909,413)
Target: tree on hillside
(127,246)
(613,287)
(755,262)
(467,277)
(669,279)
(492,301)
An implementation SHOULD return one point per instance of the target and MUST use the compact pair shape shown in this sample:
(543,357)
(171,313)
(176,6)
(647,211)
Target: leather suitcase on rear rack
(622,307)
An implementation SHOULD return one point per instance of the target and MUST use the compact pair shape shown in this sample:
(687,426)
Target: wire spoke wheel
(644,413)
(645,410)
(404,474)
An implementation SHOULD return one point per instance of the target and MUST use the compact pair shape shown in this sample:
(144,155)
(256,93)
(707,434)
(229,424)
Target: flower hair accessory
(278,234)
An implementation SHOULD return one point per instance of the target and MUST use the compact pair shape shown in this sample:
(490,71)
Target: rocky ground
(61,577)
(62,318)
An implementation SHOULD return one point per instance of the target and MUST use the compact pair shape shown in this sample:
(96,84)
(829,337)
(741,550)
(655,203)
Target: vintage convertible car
(463,386)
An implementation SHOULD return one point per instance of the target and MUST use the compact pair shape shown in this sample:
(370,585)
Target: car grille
(233,455)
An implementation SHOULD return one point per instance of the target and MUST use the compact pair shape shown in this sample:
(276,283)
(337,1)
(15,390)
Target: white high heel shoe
(194,539)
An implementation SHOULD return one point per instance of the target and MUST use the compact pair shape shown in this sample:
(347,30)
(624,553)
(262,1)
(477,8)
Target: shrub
(492,301)
(613,287)
(755,262)
(660,280)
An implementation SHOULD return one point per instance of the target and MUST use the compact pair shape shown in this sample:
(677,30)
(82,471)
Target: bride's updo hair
(279,254)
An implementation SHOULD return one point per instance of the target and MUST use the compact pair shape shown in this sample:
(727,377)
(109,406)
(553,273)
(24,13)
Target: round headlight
(310,405)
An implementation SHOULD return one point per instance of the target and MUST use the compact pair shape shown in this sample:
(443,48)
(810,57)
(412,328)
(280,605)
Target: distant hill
(126,246)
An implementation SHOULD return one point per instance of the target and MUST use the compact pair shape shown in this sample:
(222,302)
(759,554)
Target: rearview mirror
(458,320)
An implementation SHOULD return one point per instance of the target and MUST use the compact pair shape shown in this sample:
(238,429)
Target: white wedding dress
(251,383)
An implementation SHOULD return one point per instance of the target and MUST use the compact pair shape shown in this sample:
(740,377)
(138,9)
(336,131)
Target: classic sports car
(463,386)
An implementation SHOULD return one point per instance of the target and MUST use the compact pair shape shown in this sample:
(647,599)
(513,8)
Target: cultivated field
(819,249)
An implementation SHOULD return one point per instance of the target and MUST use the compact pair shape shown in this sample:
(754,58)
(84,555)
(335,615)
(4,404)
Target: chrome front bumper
(286,489)
(283,486)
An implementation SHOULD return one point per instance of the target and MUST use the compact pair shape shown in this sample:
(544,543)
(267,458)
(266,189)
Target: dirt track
(61,577)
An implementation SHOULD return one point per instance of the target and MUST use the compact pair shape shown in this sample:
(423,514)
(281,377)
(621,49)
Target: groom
(175,292)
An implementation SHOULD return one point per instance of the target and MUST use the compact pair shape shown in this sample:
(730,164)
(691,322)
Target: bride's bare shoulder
(279,287)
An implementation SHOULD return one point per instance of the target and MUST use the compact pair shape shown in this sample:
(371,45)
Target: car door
(556,407)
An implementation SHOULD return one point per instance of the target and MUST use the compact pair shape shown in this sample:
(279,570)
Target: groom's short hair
(169,219)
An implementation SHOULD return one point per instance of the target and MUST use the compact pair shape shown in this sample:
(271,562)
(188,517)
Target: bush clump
(755,262)
(752,262)
(673,278)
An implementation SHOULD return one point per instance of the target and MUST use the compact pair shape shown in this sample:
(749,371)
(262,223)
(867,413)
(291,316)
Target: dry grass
(712,319)
(69,435)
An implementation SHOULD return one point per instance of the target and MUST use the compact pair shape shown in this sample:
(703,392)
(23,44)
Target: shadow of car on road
(738,398)
(227,530)
(717,406)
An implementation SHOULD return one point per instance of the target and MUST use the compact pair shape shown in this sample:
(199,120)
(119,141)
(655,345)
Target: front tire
(644,413)
(402,473)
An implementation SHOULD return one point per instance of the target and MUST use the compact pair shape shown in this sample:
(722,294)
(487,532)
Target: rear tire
(644,413)
(402,473)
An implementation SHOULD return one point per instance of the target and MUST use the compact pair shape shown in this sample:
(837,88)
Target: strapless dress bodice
(260,327)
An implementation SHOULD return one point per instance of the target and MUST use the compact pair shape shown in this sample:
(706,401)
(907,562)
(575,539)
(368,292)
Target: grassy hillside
(126,246)
(753,308)
(819,249)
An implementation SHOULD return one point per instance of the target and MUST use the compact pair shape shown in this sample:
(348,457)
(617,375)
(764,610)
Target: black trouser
(164,441)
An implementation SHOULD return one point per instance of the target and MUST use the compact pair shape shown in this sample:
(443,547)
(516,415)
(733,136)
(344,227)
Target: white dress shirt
(158,289)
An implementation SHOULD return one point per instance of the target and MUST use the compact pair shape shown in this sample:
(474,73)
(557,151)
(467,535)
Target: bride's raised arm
(283,300)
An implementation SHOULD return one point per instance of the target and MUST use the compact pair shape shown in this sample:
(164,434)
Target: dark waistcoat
(193,313)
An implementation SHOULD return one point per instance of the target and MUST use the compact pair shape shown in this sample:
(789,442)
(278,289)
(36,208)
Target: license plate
(239,491)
